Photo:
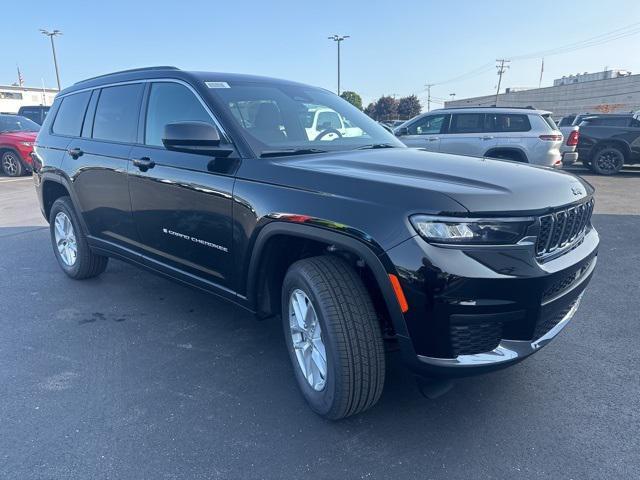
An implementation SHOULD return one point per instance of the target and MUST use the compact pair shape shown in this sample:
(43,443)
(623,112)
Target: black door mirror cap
(402,131)
(194,137)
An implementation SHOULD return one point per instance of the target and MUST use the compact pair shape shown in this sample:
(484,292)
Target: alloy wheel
(610,160)
(306,336)
(65,239)
(10,164)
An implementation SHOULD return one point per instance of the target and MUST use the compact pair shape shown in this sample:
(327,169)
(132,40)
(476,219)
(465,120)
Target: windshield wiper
(376,145)
(296,151)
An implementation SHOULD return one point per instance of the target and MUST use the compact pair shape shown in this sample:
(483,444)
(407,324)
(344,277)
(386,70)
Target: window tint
(508,122)
(116,116)
(70,114)
(610,121)
(427,125)
(171,102)
(467,123)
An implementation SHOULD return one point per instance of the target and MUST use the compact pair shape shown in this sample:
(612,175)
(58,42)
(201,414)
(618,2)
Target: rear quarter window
(70,115)
(550,122)
(507,122)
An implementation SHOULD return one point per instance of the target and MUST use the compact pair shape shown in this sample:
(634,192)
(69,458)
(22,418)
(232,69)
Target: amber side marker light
(397,289)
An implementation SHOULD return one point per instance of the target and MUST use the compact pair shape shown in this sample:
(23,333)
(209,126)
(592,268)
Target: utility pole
(55,33)
(501,69)
(429,85)
(338,39)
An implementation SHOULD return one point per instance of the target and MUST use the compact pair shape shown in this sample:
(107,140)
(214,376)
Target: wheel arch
(518,151)
(54,186)
(620,144)
(263,281)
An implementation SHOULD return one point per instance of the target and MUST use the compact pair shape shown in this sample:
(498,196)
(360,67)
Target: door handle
(75,153)
(433,139)
(487,137)
(144,163)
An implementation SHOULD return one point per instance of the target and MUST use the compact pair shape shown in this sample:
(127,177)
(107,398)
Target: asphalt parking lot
(132,376)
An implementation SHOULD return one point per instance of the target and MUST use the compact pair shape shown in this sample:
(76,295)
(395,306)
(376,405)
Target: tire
(349,334)
(66,230)
(607,161)
(11,164)
(512,156)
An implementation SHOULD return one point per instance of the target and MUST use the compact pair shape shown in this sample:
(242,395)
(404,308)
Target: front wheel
(608,161)
(11,164)
(333,337)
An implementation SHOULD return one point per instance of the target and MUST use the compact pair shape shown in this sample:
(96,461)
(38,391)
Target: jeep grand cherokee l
(212,179)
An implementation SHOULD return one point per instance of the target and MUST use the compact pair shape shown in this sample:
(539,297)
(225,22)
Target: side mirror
(402,131)
(386,127)
(193,137)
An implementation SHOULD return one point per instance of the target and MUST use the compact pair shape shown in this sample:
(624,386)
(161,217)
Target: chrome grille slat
(560,229)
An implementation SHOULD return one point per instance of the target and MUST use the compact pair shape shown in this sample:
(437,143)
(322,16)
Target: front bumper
(476,311)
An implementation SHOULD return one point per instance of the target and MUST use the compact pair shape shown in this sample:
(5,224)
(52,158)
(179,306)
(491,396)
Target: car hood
(480,185)
(20,136)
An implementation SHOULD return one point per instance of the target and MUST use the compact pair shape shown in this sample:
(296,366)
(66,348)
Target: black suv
(608,142)
(290,202)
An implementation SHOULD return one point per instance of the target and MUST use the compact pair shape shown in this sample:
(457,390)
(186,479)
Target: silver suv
(519,134)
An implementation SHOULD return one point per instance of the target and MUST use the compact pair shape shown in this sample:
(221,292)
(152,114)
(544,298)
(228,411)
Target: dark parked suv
(221,181)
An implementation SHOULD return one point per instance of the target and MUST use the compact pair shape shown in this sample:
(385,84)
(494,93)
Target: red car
(17,135)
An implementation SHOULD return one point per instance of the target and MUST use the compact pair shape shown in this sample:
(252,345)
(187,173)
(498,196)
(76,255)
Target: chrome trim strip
(506,351)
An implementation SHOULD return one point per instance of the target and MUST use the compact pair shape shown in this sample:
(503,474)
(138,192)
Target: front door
(425,132)
(182,204)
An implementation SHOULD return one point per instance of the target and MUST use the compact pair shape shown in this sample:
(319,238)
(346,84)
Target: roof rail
(529,107)
(142,69)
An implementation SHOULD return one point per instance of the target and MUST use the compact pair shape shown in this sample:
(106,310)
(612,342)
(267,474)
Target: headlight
(27,144)
(466,231)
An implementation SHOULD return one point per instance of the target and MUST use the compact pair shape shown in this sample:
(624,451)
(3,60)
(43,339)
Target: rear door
(509,130)
(99,159)
(467,135)
(425,132)
(182,204)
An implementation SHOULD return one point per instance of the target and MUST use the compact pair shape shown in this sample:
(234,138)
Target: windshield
(15,123)
(281,117)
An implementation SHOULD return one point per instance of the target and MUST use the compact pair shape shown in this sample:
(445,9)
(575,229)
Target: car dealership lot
(130,375)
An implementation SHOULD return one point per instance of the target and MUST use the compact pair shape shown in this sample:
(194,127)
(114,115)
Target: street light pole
(338,39)
(52,34)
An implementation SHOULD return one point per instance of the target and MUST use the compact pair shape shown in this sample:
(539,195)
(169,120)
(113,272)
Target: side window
(427,125)
(116,117)
(508,122)
(171,102)
(69,118)
(467,123)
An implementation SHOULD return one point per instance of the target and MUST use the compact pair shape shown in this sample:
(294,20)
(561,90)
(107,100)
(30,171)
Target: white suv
(519,134)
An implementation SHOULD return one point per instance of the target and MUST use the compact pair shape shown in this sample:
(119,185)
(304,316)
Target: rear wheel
(11,164)
(608,161)
(333,337)
(70,244)
(508,155)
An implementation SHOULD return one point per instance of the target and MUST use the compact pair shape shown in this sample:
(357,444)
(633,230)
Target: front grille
(560,229)
(546,324)
(475,338)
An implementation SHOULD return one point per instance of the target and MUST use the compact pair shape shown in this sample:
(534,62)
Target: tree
(386,108)
(409,107)
(371,110)
(353,98)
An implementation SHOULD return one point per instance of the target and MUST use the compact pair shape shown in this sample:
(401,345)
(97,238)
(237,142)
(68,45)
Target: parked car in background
(17,135)
(466,265)
(36,113)
(568,150)
(518,134)
(607,142)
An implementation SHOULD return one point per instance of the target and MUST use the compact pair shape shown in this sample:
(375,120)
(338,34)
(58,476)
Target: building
(603,92)
(12,97)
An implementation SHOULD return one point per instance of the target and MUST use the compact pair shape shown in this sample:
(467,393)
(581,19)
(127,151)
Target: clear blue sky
(395,47)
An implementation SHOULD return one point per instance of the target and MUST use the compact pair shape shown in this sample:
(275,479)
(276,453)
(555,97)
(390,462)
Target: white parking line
(7,180)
